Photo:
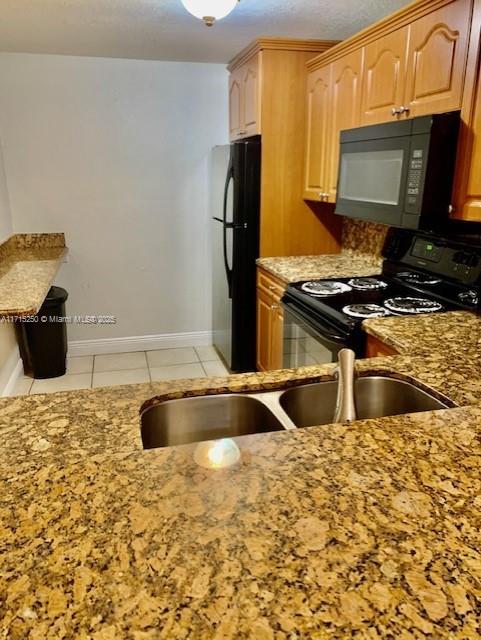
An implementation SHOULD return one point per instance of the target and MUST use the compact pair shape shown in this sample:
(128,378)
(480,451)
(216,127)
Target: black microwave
(400,173)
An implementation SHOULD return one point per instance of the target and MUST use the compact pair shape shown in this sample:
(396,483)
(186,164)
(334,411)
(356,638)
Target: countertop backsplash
(361,237)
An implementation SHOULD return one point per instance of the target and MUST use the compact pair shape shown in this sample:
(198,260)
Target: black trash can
(42,339)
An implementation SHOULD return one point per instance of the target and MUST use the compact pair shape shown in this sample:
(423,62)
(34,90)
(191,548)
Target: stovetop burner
(365,311)
(367,284)
(325,288)
(412,305)
(418,278)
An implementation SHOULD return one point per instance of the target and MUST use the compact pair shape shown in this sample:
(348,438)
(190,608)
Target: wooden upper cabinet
(467,189)
(251,97)
(235,105)
(245,100)
(384,77)
(438,45)
(344,105)
(317,134)
(468,200)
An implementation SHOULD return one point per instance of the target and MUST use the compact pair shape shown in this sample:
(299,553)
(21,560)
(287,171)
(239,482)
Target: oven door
(309,341)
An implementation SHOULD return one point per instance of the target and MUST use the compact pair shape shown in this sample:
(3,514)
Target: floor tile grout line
(148,366)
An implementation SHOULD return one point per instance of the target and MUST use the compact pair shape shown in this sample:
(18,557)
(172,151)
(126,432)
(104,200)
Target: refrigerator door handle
(227,225)
(231,225)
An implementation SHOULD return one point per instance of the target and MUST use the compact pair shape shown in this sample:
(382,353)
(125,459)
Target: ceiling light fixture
(210,10)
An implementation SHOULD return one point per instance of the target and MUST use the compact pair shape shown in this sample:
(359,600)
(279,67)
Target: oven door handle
(321,327)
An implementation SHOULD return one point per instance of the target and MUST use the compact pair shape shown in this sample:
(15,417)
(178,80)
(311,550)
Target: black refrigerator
(235,205)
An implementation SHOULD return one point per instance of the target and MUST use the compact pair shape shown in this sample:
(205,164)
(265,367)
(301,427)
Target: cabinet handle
(395,112)
(323,196)
(451,208)
(271,287)
(404,109)
(274,307)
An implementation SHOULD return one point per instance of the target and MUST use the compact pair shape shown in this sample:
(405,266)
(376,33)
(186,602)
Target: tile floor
(85,372)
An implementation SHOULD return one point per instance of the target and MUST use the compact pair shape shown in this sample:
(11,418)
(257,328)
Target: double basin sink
(213,417)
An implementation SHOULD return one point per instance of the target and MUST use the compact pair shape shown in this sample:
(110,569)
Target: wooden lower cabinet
(375,348)
(270,322)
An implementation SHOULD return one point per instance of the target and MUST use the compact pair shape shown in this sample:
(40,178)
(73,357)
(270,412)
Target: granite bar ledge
(28,266)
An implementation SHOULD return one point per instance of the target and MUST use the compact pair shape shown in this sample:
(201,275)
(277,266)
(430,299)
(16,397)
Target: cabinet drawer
(270,285)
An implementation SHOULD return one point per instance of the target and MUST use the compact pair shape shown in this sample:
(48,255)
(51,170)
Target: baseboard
(139,343)
(10,373)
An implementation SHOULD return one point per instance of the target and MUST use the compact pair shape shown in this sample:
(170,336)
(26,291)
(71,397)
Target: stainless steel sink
(187,420)
(375,397)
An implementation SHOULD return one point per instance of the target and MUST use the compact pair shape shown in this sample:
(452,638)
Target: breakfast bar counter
(28,266)
(339,531)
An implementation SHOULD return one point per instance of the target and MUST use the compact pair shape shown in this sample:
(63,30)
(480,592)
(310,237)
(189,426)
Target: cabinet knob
(323,196)
(403,109)
(271,287)
(274,307)
(395,112)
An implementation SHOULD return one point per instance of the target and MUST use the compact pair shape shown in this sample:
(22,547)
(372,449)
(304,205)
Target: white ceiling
(163,30)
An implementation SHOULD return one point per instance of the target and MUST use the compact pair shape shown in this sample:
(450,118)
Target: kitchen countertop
(339,265)
(457,331)
(368,530)
(28,266)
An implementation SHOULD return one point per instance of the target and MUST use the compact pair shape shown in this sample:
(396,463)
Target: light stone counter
(28,266)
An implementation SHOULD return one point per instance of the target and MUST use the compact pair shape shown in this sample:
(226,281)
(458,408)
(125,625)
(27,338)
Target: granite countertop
(339,265)
(364,531)
(28,266)
(430,333)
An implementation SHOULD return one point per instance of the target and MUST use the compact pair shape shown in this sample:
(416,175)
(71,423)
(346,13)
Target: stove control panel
(449,258)
(466,259)
(427,250)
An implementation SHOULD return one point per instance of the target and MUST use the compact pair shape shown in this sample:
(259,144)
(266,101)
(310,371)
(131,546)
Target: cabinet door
(277,337)
(251,121)
(468,192)
(345,108)
(467,188)
(317,132)
(437,59)
(263,330)
(235,105)
(383,76)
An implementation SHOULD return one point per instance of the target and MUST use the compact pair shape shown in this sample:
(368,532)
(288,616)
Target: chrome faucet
(345,372)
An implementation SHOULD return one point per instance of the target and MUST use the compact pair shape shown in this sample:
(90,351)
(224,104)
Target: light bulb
(209,10)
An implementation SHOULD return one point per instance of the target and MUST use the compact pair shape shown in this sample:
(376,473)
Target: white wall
(5,214)
(115,154)
(8,344)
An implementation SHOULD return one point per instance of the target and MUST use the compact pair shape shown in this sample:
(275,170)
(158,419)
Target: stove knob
(469,297)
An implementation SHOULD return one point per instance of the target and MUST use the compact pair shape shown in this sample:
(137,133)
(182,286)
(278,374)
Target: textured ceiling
(163,30)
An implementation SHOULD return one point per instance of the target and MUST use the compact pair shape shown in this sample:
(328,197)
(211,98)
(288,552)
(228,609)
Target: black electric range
(421,274)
